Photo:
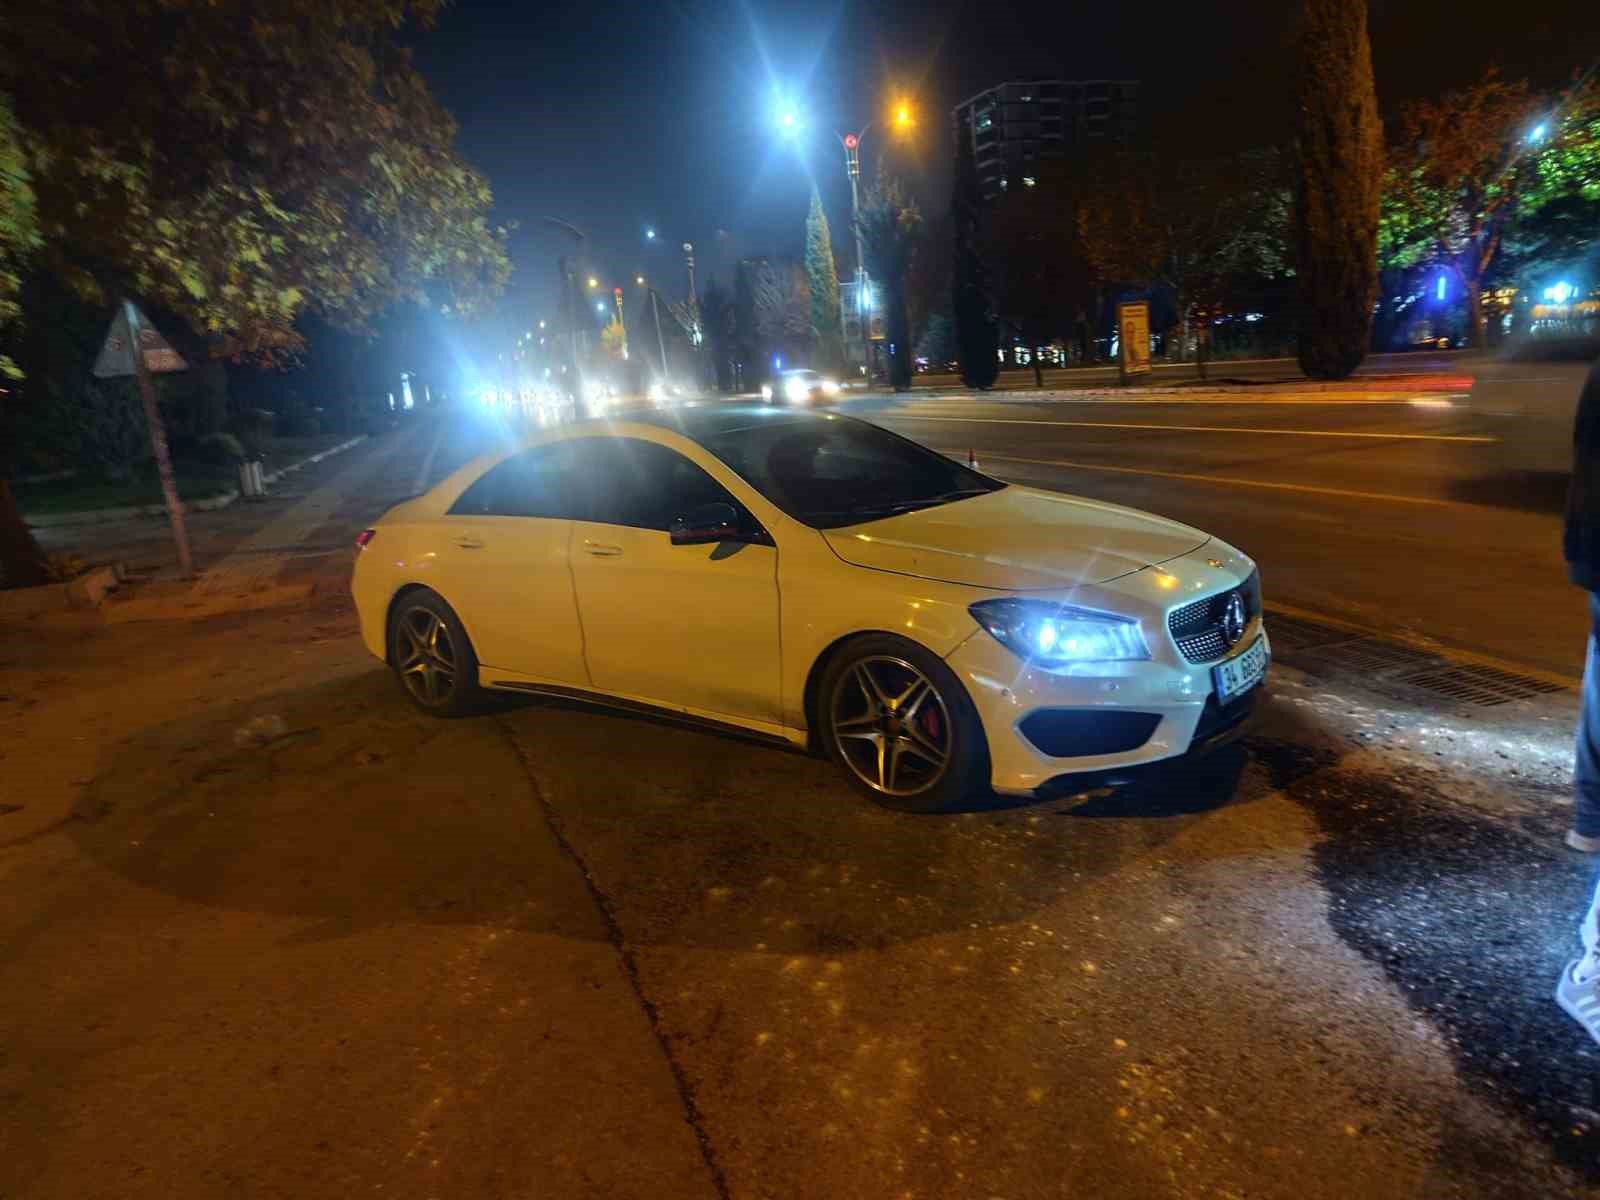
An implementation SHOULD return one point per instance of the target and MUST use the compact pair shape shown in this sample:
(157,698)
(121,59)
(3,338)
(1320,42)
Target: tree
(1486,169)
(22,562)
(1041,278)
(1197,227)
(759,304)
(612,340)
(1338,182)
(823,275)
(242,163)
(976,331)
(891,229)
(938,343)
(717,320)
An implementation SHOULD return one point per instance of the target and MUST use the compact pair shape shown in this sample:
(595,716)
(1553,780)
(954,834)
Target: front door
(681,626)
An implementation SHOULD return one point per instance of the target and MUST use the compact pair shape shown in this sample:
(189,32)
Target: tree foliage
(891,231)
(822,274)
(244,162)
(1491,183)
(1338,183)
(1202,228)
(19,229)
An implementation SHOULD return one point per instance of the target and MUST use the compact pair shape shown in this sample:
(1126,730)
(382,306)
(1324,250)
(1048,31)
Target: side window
(535,483)
(642,484)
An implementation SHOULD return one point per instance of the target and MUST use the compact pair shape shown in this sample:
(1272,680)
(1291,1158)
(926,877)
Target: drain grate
(1395,668)
(1295,633)
(1470,683)
(1371,656)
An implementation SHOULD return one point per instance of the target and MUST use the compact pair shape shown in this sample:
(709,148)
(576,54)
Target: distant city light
(639,279)
(541,324)
(650,235)
(600,308)
(1439,287)
(1560,293)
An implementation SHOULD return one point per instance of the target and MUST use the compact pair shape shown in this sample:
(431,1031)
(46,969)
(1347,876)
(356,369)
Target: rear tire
(896,719)
(432,656)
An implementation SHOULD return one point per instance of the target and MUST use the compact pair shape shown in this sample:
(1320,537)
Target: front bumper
(1136,713)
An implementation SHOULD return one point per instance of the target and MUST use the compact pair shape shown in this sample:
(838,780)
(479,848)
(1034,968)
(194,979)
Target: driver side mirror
(707,524)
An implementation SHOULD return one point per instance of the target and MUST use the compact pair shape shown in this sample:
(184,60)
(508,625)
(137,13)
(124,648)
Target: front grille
(1197,627)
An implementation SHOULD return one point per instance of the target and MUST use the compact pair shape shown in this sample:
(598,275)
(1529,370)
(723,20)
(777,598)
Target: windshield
(837,471)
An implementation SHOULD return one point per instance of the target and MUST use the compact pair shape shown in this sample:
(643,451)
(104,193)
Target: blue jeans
(1586,820)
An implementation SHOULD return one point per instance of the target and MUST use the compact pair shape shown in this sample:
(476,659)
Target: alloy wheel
(890,726)
(426,657)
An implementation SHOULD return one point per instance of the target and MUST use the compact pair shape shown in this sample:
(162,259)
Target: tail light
(365,536)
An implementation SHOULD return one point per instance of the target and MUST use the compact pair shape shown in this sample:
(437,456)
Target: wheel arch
(388,616)
(819,667)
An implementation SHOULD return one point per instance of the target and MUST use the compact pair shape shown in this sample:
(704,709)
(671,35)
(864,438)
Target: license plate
(1242,673)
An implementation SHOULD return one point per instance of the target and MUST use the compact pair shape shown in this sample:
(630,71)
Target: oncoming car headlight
(796,390)
(830,387)
(766,391)
(1054,635)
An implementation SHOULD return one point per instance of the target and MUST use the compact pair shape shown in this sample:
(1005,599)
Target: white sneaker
(1580,997)
(1590,929)
(1586,845)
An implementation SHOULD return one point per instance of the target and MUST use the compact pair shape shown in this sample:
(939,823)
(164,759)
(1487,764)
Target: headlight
(766,391)
(830,387)
(1053,635)
(796,390)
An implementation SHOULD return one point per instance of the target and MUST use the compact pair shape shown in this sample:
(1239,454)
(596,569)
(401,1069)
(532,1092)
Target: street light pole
(852,165)
(566,295)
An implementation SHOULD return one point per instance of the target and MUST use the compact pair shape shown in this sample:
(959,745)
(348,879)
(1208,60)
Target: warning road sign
(116,354)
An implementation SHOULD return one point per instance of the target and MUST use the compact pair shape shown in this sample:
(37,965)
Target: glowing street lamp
(639,279)
(904,119)
(600,308)
(649,235)
(593,282)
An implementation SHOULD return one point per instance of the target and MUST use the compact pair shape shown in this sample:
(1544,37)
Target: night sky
(626,116)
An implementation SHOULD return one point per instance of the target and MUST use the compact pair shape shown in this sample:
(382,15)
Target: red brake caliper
(929,720)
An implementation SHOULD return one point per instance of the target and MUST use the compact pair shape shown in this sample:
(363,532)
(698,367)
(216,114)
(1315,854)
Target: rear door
(506,573)
(681,626)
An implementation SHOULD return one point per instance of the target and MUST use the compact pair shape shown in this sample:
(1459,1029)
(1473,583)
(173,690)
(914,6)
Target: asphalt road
(1432,513)
(291,938)
(1259,370)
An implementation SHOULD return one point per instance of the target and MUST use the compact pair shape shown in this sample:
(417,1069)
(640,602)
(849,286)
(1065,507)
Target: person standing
(1578,989)
(1581,542)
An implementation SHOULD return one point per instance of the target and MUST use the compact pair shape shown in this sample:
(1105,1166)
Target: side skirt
(774,735)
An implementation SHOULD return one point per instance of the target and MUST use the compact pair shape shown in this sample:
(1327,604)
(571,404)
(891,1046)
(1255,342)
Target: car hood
(1016,539)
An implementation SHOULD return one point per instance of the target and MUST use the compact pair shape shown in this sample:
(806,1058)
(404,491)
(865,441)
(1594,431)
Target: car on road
(818,580)
(801,386)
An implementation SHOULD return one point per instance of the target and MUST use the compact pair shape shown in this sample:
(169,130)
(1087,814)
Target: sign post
(135,347)
(1133,339)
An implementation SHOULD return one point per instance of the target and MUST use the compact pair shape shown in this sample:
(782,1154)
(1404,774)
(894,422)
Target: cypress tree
(1338,182)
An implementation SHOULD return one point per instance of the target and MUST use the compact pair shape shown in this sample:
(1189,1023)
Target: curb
(98,516)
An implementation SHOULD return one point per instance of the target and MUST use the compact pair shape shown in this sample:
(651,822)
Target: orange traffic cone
(972,459)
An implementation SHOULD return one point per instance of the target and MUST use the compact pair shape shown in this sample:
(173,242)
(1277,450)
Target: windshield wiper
(890,508)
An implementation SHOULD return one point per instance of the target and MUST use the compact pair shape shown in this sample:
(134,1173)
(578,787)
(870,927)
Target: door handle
(467,542)
(601,549)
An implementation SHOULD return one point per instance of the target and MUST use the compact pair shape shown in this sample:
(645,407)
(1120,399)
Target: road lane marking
(1412,400)
(1334,433)
(1224,479)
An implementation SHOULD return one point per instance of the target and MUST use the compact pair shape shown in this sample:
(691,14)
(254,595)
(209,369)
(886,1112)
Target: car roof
(798,371)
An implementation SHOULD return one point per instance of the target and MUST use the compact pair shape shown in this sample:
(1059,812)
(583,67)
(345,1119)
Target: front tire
(902,727)
(432,656)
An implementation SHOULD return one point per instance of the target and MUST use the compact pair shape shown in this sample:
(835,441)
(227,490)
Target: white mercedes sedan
(818,580)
